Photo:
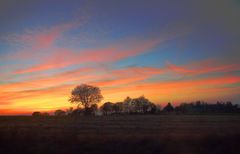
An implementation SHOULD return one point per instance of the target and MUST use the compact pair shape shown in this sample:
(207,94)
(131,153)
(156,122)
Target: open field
(121,134)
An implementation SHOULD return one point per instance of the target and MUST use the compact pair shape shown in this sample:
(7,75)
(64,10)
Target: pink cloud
(36,40)
(128,75)
(49,81)
(66,57)
(87,75)
(203,67)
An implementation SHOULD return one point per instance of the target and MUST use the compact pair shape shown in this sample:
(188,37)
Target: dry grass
(121,134)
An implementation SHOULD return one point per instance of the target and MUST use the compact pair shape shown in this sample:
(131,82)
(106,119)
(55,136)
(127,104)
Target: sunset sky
(169,51)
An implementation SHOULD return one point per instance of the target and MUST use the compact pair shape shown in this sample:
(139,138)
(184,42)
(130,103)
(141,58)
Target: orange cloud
(215,88)
(51,98)
(42,91)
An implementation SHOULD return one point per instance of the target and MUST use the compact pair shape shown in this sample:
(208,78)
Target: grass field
(121,134)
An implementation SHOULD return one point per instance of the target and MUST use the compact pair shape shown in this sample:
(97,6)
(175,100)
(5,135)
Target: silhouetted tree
(141,105)
(203,107)
(86,95)
(118,107)
(59,113)
(94,107)
(158,109)
(127,105)
(91,110)
(184,108)
(40,114)
(168,108)
(152,108)
(36,114)
(45,114)
(107,108)
(77,112)
(69,111)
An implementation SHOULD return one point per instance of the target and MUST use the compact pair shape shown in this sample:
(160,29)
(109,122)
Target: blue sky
(127,48)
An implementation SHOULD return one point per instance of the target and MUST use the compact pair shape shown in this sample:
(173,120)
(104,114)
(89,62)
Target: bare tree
(86,95)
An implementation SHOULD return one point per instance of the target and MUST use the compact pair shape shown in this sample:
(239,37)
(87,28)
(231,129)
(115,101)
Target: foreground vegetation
(170,134)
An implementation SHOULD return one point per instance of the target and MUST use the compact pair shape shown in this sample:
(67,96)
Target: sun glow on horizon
(45,52)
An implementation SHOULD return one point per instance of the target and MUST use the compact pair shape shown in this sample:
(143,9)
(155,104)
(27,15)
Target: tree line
(87,97)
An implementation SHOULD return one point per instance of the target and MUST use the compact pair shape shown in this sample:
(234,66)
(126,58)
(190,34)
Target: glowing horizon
(166,52)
